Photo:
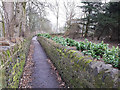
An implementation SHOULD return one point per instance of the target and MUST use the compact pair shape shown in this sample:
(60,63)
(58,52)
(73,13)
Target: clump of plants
(70,42)
(97,51)
(44,35)
(60,40)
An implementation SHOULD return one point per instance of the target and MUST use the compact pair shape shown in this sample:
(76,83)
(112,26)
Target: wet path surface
(43,76)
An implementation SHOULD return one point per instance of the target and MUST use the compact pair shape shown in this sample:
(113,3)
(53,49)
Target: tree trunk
(15,18)
(87,27)
(82,30)
(98,38)
(119,33)
(9,10)
(57,25)
(24,18)
(3,27)
(20,20)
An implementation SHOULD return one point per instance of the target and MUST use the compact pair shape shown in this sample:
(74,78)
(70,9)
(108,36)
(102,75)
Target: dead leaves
(26,78)
(62,84)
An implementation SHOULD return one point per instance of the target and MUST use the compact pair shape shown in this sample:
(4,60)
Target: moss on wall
(79,71)
(13,61)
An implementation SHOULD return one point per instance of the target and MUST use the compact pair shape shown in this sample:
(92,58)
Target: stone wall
(79,71)
(12,64)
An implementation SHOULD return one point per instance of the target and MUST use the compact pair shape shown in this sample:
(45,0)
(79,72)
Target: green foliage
(100,50)
(60,40)
(104,18)
(112,56)
(8,53)
(95,50)
(70,42)
(12,67)
(44,35)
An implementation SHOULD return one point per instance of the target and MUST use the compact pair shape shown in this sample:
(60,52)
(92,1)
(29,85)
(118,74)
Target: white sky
(50,14)
(62,16)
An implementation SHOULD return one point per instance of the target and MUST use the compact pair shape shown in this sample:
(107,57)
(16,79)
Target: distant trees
(101,19)
(55,8)
(70,13)
(17,18)
(113,13)
(36,16)
(13,19)
(108,21)
(104,17)
(91,10)
(2,24)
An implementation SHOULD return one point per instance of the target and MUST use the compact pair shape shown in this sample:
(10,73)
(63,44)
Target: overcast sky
(62,19)
(62,16)
(51,16)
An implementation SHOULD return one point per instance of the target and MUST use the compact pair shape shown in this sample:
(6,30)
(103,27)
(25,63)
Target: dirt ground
(111,43)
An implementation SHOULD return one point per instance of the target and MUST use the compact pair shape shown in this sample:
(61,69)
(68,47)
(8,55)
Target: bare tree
(55,8)
(2,21)
(69,10)
(36,14)
(8,15)
(14,18)
(20,19)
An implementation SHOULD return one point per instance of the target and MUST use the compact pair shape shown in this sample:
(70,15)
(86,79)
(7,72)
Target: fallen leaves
(62,84)
(26,78)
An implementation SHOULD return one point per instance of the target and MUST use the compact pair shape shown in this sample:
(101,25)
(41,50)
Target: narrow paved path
(43,76)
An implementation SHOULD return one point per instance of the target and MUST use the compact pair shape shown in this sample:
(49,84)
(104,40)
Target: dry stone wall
(12,63)
(79,71)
